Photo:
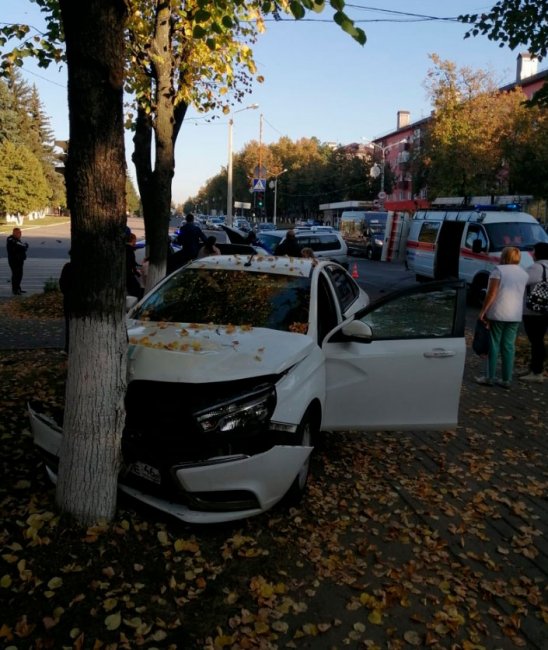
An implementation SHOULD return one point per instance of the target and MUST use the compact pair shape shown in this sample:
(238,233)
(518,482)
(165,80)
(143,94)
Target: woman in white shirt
(502,312)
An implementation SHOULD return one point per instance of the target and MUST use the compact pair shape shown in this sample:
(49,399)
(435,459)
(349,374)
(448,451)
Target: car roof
(294,266)
(306,232)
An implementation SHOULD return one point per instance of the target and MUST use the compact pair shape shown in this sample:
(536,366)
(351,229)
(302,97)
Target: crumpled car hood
(183,352)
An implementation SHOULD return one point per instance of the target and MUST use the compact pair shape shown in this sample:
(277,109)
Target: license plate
(147,472)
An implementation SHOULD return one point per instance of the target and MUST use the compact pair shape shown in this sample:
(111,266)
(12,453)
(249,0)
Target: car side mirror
(477,246)
(357,329)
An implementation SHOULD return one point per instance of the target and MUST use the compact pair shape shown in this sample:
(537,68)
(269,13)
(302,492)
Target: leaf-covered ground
(432,540)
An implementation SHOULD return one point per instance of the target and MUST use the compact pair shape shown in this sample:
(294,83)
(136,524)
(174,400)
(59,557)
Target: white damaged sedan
(236,362)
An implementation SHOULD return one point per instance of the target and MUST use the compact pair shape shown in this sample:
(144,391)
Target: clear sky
(318,81)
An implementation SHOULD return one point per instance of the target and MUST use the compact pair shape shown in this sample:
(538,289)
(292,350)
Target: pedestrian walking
(502,313)
(190,237)
(535,324)
(17,254)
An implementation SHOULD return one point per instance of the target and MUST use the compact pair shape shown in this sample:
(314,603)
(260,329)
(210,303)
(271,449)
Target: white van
(466,243)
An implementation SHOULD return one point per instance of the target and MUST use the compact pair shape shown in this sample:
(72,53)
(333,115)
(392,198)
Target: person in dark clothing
(190,237)
(289,246)
(133,286)
(17,254)
(536,324)
(66,285)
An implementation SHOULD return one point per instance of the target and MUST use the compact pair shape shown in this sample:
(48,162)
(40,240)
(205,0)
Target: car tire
(369,253)
(306,433)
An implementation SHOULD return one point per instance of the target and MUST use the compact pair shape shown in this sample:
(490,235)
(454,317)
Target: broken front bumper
(212,491)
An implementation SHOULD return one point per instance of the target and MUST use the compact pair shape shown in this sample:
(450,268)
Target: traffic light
(260,199)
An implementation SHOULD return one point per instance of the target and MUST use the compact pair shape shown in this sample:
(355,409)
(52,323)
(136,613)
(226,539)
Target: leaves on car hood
(201,353)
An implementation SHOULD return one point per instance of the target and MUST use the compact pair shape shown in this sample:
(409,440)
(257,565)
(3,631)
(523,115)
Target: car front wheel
(305,433)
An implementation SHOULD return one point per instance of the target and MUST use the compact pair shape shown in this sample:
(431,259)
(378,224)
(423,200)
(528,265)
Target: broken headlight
(244,413)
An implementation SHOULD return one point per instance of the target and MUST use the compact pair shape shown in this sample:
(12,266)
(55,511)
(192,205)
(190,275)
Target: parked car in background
(268,225)
(326,245)
(242,224)
(235,363)
(214,223)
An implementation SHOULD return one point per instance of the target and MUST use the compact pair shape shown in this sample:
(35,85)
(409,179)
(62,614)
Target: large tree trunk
(155,182)
(95,177)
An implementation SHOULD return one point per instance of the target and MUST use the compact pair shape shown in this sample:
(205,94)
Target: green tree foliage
(24,122)
(515,23)
(24,186)
(9,120)
(474,132)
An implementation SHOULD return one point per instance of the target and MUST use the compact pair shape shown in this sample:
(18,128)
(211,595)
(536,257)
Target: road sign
(259,171)
(259,185)
(381,195)
(244,205)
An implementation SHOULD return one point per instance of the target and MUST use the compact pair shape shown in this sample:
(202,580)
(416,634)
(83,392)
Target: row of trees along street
(479,141)
(166,56)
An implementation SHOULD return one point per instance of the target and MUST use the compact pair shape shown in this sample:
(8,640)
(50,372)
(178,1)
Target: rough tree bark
(95,178)
(154,182)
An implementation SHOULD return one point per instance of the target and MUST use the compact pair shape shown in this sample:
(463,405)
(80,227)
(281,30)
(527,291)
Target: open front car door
(398,363)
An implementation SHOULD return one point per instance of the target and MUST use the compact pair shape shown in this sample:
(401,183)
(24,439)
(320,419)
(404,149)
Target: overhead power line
(393,16)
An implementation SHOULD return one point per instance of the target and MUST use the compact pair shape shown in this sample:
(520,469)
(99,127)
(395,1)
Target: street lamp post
(229,200)
(274,184)
(377,171)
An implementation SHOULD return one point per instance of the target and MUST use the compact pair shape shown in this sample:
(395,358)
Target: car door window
(423,314)
(413,316)
(474,233)
(345,288)
(328,243)
(429,232)
(327,311)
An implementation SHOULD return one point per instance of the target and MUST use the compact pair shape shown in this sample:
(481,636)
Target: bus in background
(364,232)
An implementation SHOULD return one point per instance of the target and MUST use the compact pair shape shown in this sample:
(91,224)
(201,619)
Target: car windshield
(522,235)
(377,228)
(230,297)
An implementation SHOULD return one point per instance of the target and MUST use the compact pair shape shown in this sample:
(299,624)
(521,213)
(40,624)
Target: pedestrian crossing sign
(259,185)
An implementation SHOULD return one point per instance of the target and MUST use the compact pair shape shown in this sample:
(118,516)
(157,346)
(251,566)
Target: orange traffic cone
(355,273)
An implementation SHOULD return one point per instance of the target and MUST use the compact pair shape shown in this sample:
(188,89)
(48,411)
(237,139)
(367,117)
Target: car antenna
(248,263)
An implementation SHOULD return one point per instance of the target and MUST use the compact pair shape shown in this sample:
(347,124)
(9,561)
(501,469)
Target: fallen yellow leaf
(113,621)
